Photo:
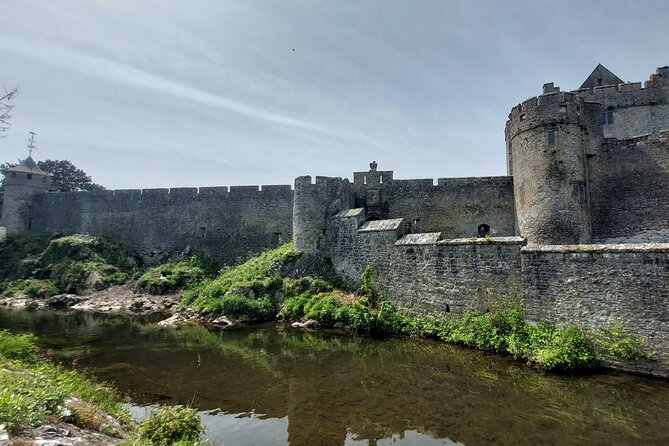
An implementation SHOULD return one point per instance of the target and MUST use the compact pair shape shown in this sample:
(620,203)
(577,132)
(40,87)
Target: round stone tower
(22,183)
(546,140)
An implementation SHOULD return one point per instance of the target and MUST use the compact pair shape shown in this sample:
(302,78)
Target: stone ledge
(392,224)
(600,248)
(427,238)
(484,241)
(350,213)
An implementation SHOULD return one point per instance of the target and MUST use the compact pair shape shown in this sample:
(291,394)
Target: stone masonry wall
(419,272)
(595,285)
(628,188)
(161,223)
(454,206)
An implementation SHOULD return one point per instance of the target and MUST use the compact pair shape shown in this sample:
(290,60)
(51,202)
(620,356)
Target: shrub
(170,425)
(170,277)
(31,287)
(241,307)
(17,346)
(614,341)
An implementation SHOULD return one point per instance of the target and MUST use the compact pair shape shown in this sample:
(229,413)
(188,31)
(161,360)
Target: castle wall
(629,181)
(455,206)
(595,285)
(164,223)
(637,109)
(420,272)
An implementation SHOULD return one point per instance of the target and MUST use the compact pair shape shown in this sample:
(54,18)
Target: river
(273,385)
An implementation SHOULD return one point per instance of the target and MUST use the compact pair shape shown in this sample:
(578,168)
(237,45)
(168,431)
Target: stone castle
(579,229)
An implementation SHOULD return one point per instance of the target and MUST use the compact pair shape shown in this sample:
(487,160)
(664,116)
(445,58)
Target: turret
(548,140)
(313,204)
(22,183)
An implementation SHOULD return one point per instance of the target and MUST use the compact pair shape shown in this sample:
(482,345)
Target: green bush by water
(169,426)
(246,290)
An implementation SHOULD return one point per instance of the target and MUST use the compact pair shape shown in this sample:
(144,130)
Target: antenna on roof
(31,144)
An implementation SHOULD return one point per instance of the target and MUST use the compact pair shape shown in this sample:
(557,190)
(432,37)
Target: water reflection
(271,385)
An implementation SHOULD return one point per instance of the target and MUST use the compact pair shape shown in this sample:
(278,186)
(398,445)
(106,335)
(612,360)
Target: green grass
(168,426)
(32,389)
(244,290)
(31,287)
(169,277)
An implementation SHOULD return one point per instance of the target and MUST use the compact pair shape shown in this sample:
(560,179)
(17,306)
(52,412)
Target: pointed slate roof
(601,76)
(27,165)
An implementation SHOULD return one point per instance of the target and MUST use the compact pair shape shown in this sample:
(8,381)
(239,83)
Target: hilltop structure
(579,228)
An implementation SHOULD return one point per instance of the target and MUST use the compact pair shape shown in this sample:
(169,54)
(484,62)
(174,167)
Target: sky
(166,93)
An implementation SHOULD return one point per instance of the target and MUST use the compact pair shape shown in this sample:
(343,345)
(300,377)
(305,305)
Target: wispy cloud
(117,72)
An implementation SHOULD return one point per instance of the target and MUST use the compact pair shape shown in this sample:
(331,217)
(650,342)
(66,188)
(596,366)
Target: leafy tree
(66,177)
(6,108)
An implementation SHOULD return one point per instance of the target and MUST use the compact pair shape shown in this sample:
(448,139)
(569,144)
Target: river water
(272,385)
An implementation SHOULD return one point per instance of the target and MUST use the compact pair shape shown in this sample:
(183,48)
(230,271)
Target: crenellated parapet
(654,91)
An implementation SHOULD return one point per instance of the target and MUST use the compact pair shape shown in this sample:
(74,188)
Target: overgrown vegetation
(244,291)
(170,277)
(33,390)
(169,426)
(39,267)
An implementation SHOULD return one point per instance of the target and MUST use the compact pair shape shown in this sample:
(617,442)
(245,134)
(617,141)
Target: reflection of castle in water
(322,389)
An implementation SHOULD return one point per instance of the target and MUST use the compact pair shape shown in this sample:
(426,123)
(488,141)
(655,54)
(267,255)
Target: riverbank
(46,403)
(300,289)
(115,299)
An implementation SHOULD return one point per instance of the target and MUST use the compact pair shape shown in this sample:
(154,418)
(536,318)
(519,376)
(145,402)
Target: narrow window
(483,230)
(599,82)
(551,137)
(578,191)
(276,238)
(30,223)
(13,174)
(415,225)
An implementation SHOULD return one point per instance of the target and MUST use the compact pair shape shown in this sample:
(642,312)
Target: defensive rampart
(595,285)
(224,223)
(421,272)
(454,206)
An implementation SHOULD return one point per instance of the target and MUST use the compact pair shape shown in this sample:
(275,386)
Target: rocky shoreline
(115,299)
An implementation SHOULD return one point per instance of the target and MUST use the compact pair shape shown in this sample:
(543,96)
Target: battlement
(551,109)
(653,92)
(180,192)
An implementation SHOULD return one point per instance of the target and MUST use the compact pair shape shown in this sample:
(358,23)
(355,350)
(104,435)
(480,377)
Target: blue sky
(162,93)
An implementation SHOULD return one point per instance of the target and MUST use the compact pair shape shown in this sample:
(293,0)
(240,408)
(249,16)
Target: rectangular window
(607,117)
(578,191)
(29,176)
(551,137)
